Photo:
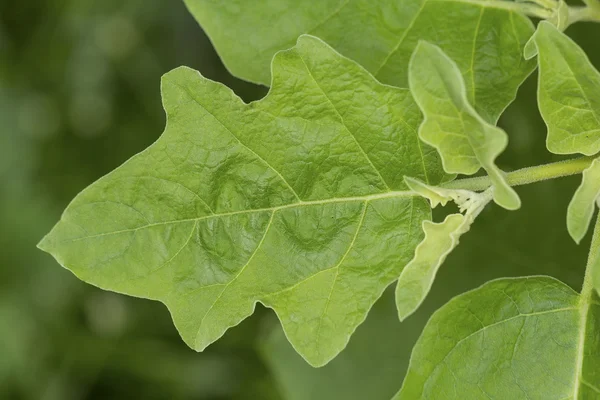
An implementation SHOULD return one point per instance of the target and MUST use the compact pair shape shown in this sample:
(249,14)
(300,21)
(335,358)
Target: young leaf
(465,141)
(520,338)
(485,38)
(581,208)
(296,201)
(440,239)
(438,195)
(568,92)
(417,277)
(561,16)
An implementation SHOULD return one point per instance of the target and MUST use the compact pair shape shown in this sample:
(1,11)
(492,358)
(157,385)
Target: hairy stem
(526,175)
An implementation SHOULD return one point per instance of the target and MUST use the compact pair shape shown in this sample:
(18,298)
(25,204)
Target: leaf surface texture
(296,201)
(519,338)
(568,92)
(465,141)
(485,39)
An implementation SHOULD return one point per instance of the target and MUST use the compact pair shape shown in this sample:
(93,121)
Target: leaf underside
(417,277)
(296,201)
(568,92)
(465,141)
(582,206)
(381,35)
(520,338)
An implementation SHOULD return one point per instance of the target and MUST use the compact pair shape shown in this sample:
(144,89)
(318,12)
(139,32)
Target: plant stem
(590,13)
(585,300)
(526,175)
(593,261)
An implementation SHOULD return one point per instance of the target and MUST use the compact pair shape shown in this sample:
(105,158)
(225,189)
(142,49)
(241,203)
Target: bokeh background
(79,94)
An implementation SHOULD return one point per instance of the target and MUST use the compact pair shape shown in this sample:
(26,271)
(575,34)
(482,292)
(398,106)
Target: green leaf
(366,369)
(296,201)
(581,208)
(568,92)
(417,277)
(561,16)
(465,141)
(520,338)
(485,38)
(440,239)
(438,195)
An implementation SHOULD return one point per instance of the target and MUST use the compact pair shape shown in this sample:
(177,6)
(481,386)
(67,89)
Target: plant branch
(526,175)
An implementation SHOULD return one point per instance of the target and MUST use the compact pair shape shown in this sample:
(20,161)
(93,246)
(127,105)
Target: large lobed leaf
(520,338)
(484,38)
(296,201)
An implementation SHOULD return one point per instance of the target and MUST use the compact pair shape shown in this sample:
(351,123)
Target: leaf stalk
(526,175)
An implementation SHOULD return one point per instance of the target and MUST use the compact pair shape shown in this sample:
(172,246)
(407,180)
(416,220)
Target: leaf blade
(582,205)
(353,27)
(464,140)
(568,92)
(532,335)
(417,277)
(272,202)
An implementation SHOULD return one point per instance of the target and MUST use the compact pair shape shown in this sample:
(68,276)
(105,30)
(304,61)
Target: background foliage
(79,94)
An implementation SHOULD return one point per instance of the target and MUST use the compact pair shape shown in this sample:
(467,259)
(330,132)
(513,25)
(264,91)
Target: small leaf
(485,38)
(416,279)
(568,92)
(464,140)
(296,201)
(581,207)
(519,338)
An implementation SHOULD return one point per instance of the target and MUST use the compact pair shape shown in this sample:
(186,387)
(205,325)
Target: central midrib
(367,198)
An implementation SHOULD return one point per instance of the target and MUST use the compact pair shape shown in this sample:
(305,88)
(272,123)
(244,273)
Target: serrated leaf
(568,92)
(581,208)
(519,338)
(465,141)
(296,201)
(485,38)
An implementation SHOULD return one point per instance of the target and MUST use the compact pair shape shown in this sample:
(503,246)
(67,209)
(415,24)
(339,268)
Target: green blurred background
(79,94)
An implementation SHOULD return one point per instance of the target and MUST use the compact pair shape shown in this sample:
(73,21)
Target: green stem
(590,13)
(526,175)
(585,300)
(593,261)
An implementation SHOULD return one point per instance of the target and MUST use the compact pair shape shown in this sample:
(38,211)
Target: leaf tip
(576,234)
(530,50)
